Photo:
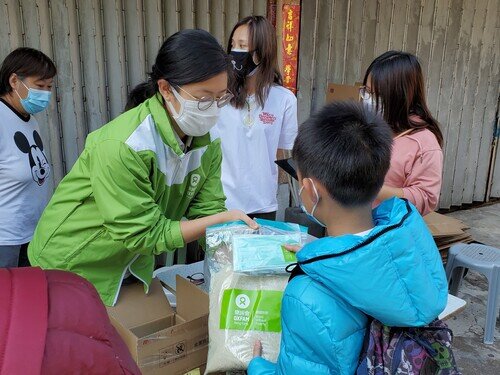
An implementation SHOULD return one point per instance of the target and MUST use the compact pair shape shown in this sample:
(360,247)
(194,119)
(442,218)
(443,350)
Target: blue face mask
(311,215)
(36,101)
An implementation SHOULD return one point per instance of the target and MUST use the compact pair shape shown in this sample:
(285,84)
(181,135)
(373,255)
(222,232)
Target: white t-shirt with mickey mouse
(24,170)
(250,138)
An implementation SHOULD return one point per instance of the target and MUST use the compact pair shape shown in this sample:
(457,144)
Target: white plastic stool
(483,259)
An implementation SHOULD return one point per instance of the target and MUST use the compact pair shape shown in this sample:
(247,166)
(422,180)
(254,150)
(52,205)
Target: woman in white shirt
(26,77)
(261,119)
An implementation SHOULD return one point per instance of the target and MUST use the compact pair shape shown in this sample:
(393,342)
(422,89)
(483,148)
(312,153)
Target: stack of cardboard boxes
(446,231)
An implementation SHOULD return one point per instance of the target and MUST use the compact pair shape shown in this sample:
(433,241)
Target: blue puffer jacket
(394,274)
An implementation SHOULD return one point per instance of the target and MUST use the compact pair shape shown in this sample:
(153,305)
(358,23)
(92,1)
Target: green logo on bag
(242,301)
(251,310)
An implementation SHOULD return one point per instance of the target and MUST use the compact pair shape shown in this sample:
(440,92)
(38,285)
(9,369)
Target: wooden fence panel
(456,42)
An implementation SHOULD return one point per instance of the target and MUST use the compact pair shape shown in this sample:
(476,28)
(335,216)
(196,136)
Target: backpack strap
(296,271)
(23,320)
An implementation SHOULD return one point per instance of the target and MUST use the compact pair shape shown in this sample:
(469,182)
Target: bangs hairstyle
(25,62)
(346,147)
(397,84)
(262,41)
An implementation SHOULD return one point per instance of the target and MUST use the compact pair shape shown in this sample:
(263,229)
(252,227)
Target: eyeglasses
(364,93)
(206,102)
(197,278)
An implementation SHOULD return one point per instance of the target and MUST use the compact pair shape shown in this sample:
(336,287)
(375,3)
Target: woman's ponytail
(140,94)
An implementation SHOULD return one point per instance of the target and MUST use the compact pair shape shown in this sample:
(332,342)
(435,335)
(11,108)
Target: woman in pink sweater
(394,85)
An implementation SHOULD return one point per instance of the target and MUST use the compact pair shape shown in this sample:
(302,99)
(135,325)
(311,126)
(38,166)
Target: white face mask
(191,120)
(369,102)
(304,209)
(372,105)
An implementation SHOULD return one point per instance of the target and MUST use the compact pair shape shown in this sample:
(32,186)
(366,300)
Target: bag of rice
(243,309)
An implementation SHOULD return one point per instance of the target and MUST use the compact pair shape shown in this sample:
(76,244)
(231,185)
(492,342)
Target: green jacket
(123,200)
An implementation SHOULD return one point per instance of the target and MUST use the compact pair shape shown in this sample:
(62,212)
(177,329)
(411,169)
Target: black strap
(366,339)
(297,270)
(366,241)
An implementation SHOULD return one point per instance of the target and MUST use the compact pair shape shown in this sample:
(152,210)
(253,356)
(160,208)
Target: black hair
(25,62)
(263,42)
(188,56)
(139,94)
(346,147)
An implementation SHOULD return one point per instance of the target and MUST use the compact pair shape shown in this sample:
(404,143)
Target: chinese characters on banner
(291,26)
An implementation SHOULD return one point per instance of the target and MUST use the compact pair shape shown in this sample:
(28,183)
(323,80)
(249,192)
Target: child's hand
(257,349)
(293,248)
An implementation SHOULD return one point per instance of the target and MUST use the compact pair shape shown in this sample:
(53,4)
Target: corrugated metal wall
(457,42)
(101,49)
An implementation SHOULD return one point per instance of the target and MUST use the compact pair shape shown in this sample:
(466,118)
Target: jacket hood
(394,274)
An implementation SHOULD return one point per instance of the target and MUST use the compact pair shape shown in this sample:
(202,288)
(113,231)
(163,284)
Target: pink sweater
(416,167)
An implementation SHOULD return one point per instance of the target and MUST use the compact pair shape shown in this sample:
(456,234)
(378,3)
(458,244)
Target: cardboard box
(444,226)
(168,278)
(160,340)
(342,92)
(446,231)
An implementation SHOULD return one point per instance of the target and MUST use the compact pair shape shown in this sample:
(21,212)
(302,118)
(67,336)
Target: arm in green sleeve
(210,199)
(125,198)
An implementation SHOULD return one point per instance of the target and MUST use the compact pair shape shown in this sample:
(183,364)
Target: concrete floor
(474,357)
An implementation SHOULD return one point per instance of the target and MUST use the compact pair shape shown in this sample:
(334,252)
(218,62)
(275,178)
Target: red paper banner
(271,11)
(291,27)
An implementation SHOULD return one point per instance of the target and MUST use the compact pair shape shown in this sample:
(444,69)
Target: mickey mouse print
(25,182)
(38,162)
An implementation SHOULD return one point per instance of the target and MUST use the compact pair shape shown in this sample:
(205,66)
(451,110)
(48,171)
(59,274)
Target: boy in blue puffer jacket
(383,263)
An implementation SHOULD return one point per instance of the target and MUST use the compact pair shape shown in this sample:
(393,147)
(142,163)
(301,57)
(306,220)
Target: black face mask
(242,62)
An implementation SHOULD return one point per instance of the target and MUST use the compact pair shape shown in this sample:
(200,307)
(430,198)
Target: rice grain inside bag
(243,309)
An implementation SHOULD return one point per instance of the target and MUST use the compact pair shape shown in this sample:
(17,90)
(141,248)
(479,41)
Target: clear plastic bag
(219,247)
(263,254)
(243,309)
(219,241)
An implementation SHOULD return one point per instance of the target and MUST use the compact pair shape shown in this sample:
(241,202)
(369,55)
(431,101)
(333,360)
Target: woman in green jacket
(139,175)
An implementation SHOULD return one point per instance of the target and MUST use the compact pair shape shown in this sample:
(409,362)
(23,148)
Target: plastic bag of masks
(254,252)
